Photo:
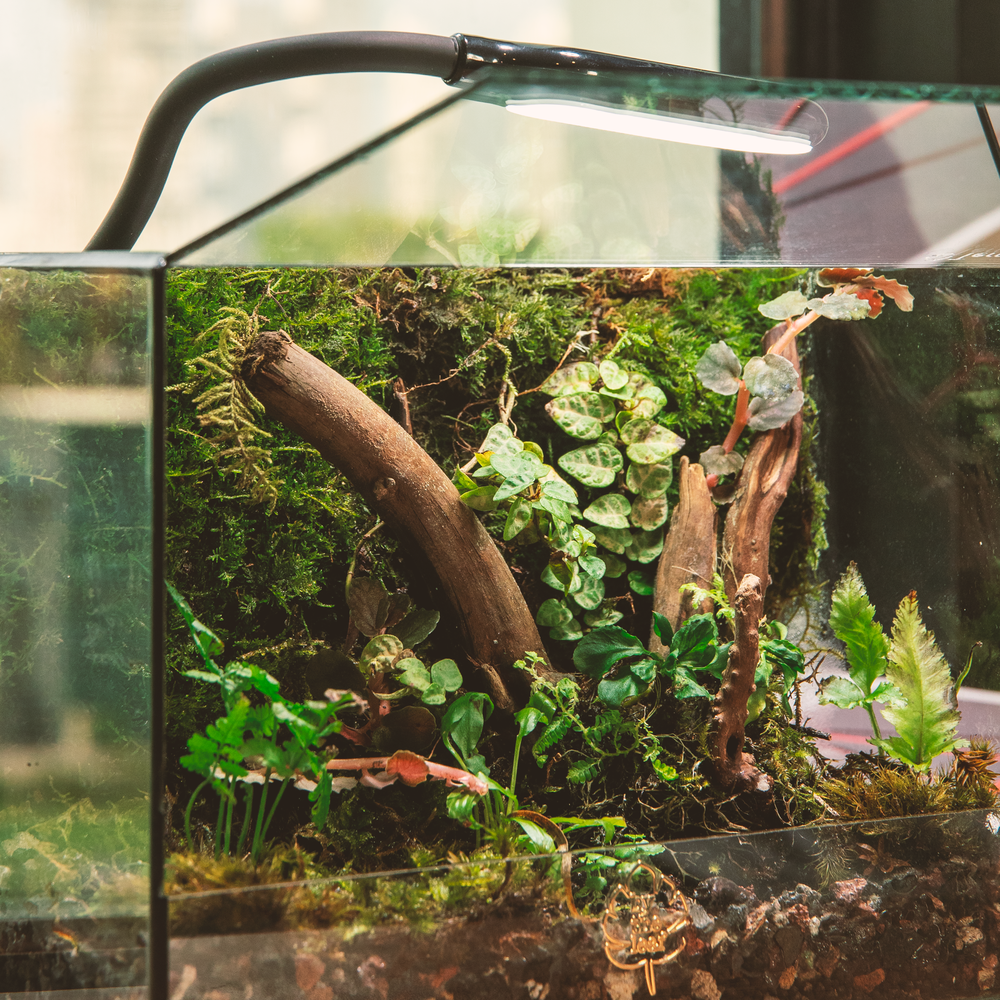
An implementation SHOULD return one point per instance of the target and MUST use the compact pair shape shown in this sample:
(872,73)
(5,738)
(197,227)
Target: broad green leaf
(692,640)
(648,399)
(618,690)
(640,582)
(649,443)
(481,498)
(461,805)
(649,513)
(379,654)
(593,465)
(553,612)
(645,669)
(540,840)
(770,377)
(613,539)
(717,462)
(462,724)
(579,377)
(590,593)
(614,377)
(447,674)
(766,415)
(416,626)
(613,566)
(462,481)
(434,694)
(842,692)
(517,518)
(500,440)
(927,724)
(601,649)
(841,307)
(569,632)
(556,488)
(581,415)
(519,471)
(609,511)
(663,628)
(413,673)
(785,306)
(645,546)
(592,565)
(649,480)
(719,369)
(787,656)
(685,686)
(852,619)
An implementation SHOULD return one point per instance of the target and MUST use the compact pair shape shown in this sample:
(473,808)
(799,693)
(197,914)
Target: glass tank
(536,555)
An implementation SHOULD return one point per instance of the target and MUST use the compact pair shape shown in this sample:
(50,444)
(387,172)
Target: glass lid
(556,168)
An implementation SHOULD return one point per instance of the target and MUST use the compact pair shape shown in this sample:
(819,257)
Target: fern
(927,721)
(225,404)
(583,771)
(551,735)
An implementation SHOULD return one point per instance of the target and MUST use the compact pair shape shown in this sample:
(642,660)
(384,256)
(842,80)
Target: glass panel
(76,546)
(476,185)
(862,909)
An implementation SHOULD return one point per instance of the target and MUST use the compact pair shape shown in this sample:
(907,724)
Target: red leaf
(411,767)
(831,276)
(900,294)
(870,296)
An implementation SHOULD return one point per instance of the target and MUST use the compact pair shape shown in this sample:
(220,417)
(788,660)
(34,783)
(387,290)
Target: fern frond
(927,722)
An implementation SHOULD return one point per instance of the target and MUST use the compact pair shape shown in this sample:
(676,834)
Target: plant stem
(874,721)
(187,814)
(246,821)
(270,816)
(513,771)
(229,816)
(218,827)
(794,328)
(255,844)
(739,420)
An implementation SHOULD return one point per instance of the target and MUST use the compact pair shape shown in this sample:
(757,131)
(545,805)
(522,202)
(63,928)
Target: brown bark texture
(760,491)
(734,769)
(408,490)
(688,552)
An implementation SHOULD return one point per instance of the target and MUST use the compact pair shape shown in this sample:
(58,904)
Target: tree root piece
(735,771)
(760,491)
(688,552)
(409,491)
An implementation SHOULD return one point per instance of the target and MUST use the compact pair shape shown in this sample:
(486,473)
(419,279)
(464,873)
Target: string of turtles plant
(614,411)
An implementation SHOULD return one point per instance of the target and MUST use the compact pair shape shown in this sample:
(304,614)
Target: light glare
(652,125)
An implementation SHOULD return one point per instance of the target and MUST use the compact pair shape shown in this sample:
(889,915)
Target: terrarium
(549,552)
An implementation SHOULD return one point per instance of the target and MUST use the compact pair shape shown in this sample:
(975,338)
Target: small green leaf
(593,465)
(540,840)
(591,592)
(785,306)
(569,632)
(648,398)
(481,498)
(581,771)
(462,481)
(842,692)
(462,724)
(617,691)
(718,462)
(645,546)
(649,443)
(602,616)
(641,582)
(770,377)
(500,440)
(413,673)
(719,369)
(379,654)
(614,377)
(663,628)
(649,480)
(581,415)
(842,307)
(416,626)
(447,674)
(579,377)
(553,612)
(685,686)
(613,539)
(434,694)
(519,471)
(613,566)
(610,511)
(518,518)
(556,488)
(649,513)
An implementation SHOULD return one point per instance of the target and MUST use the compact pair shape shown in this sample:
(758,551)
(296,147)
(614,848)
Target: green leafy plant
(766,387)
(906,673)
(249,732)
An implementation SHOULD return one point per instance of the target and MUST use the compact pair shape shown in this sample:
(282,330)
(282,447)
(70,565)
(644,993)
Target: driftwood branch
(760,491)
(736,770)
(688,552)
(408,490)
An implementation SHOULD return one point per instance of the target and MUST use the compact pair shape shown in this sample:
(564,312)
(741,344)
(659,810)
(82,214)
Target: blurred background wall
(79,76)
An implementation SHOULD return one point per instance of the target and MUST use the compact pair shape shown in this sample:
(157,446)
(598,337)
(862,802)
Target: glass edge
(86,260)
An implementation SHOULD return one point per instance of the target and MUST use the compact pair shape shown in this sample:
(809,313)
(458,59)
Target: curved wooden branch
(407,489)
(734,769)
(760,491)
(688,552)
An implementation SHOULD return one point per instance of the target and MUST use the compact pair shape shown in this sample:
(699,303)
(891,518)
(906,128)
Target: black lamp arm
(453,59)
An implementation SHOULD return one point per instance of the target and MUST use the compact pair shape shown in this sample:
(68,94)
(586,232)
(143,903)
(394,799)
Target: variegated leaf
(610,511)
(593,465)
